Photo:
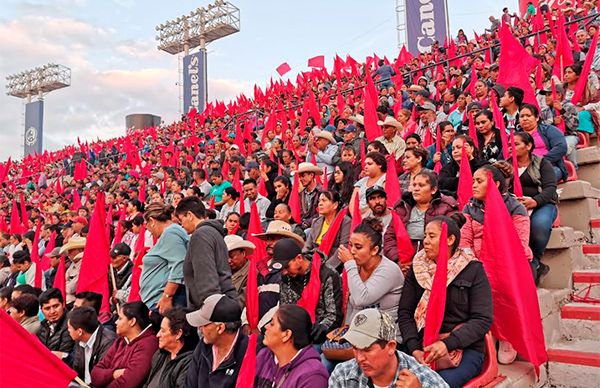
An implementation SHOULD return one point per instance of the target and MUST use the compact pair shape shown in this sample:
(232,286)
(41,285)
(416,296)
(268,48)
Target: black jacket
(200,372)
(449,175)
(468,301)
(206,269)
(104,339)
(60,340)
(174,372)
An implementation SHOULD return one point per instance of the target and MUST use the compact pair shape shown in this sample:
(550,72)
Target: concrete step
(563,255)
(578,206)
(588,160)
(595,231)
(550,302)
(574,364)
(521,374)
(586,283)
(580,321)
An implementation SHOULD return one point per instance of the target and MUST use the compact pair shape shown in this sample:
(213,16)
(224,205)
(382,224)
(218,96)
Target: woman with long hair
(343,181)
(449,173)
(589,104)
(283,188)
(488,136)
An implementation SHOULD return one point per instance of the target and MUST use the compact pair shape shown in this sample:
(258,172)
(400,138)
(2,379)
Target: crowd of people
(221,216)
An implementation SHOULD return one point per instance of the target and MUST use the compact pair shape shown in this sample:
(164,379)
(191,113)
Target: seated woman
(445,155)
(127,362)
(549,141)
(289,360)
(282,187)
(232,223)
(283,212)
(472,231)
(589,102)
(538,180)
(449,173)
(413,163)
(176,343)
(373,280)
(343,180)
(488,136)
(328,207)
(468,313)
(231,203)
(416,208)
(375,168)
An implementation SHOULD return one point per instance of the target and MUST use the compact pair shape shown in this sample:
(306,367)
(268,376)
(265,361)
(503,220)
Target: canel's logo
(31,136)
(194,82)
(427,26)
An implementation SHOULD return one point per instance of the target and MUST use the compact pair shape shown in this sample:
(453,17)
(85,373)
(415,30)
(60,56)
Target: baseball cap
(369,326)
(473,105)
(350,128)
(285,250)
(120,249)
(374,190)
(252,164)
(216,308)
(80,220)
(427,105)
(559,89)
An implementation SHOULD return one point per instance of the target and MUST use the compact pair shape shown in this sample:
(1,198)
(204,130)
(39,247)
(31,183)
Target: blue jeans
(542,219)
(469,367)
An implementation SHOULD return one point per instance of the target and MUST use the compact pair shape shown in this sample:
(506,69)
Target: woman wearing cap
(468,284)
(161,282)
(328,208)
(289,360)
(449,173)
(375,168)
(413,163)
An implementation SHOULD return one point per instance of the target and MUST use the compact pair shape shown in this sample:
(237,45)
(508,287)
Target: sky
(117,70)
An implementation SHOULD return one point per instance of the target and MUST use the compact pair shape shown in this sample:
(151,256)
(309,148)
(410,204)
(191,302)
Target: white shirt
(262,204)
(88,347)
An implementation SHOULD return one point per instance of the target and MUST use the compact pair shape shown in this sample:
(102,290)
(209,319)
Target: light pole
(200,27)
(36,82)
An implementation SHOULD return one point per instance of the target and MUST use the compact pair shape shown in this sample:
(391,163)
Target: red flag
(564,54)
(438,147)
(499,122)
(517,188)
(585,72)
(356,215)
(283,68)
(35,256)
(255,227)
(26,362)
(372,130)
(59,189)
(437,301)
(465,181)
(560,125)
(24,216)
(3,225)
(60,280)
(142,192)
(294,201)
(93,275)
(404,246)
(76,200)
(248,369)
(136,273)
(45,261)
(516,310)
(471,87)
(392,185)
(318,61)
(472,130)
(15,221)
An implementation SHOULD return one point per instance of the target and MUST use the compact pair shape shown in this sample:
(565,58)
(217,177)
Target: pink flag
(318,61)
(392,185)
(465,181)
(283,68)
(294,201)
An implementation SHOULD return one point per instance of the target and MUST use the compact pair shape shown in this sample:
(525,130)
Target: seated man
(377,202)
(239,250)
(376,361)
(94,300)
(122,268)
(24,310)
(26,268)
(218,357)
(92,338)
(53,333)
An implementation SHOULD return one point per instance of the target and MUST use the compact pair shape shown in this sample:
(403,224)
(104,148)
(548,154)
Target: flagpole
(81,382)
(114,284)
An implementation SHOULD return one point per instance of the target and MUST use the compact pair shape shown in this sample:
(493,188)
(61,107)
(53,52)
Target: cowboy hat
(234,242)
(390,122)
(74,243)
(309,167)
(358,119)
(327,136)
(280,228)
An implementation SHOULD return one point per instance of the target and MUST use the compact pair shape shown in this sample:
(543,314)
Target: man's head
(253,169)
(219,315)
(22,260)
(372,334)
(24,306)
(323,139)
(249,188)
(238,250)
(513,97)
(82,322)
(89,299)
(307,172)
(288,255)
(52,304)
(277,230)
(427,112)
(119,255)
(377,200)
(190,211)
(73,248)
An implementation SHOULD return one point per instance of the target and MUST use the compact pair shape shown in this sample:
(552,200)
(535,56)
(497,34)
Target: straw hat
(309,167)
(74,243)
(390,122)
(280,228)
(234,242)
(358,119)
(327,136)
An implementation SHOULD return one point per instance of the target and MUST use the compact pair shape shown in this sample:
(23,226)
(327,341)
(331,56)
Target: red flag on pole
(517,188)
(294,201)
(93,275)
(283,68)
(438,147)
(318,61)
(372,130)
(356,215)
(255,227)
(35,257)
(60,280)
(404,246)
(15,221)
(26,362)
(585,72)
(45,261)
(472,130)
(499,121)
(76,200)
(465,181)
(516,310)
(136,273)
(24,217)
(392,185)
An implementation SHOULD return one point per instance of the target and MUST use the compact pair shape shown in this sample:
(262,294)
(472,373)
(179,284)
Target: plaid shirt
(349,374)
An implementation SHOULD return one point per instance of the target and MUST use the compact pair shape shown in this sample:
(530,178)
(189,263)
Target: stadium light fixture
(39,80)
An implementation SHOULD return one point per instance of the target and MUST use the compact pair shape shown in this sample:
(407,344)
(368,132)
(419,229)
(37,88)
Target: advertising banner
(194,81)
(34,120)
(426,22)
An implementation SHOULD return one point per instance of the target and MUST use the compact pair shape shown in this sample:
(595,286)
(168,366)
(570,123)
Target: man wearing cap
(429,120)
(253,170)
(295,276)
(377,202)
(219,356)
(472,110)
(377,362)
(351,138)
(239,250)
(324,148)
(50,273)
(251,194)
(269,278)
(74,251)
(309,196)
(393,143)
(79,223)
(121,267)
(412,91)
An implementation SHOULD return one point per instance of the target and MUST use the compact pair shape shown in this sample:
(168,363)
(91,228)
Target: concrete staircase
(571,321)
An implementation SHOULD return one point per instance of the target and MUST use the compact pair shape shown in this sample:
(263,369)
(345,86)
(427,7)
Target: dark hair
(158,211)
(231,192)
(201,173)
(577,67)
(532,108)
(414,136)
(527,139)
(432,178)
(197,192)
(27,289)
(283,179)
(346,188)
(216,172)
(498,176)
(249,181)
(83,317)
(138,205)
(419,152)
(138,220)
(177,321)
(91,299)
(27,303)
(379,159)
(333,196)
(20,257)
(6,293)
(379,147)
(516,93)
(193,205)
(444,124)
(296,319)
(453,230)
(487,113)
(139,311)
(373,229)
(52,293)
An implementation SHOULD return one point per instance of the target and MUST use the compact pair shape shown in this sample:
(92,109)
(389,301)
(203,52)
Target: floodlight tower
(36,82)
(200,27)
